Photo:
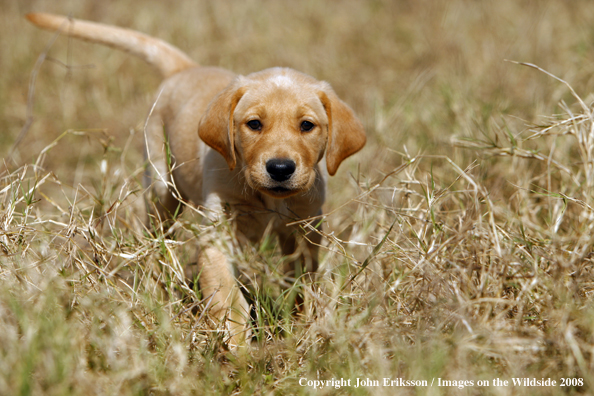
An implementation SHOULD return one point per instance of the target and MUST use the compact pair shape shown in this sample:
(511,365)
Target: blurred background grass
(425,77)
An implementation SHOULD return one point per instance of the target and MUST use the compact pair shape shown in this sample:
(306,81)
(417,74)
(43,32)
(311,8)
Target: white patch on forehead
(282,81)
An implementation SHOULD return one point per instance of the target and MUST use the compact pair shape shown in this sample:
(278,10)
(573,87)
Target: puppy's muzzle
(280,169)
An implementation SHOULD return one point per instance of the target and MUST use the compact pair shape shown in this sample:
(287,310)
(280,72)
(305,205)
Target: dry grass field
(459,243)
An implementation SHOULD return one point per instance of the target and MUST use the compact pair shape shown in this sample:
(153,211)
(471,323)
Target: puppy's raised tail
(166,58)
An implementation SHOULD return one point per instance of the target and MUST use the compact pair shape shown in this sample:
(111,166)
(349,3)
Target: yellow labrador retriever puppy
(249,148)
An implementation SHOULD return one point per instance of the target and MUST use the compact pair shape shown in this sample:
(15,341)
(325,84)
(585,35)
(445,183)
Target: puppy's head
(278,123)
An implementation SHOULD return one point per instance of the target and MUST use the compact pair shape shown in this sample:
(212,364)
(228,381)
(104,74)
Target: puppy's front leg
(301,262)
(218,285)
(302,253)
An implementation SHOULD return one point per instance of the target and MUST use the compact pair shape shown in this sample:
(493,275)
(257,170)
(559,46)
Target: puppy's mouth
(261,180)
(279,191)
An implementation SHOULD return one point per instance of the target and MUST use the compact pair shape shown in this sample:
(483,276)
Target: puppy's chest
(252,220)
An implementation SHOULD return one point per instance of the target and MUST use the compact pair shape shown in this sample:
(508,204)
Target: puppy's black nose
(280,169)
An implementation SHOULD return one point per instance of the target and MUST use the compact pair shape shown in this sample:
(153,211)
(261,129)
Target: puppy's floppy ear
(346,135)
(216,127)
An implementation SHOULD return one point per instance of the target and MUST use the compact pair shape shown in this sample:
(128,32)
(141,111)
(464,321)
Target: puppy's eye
(254,125)
(307,126)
